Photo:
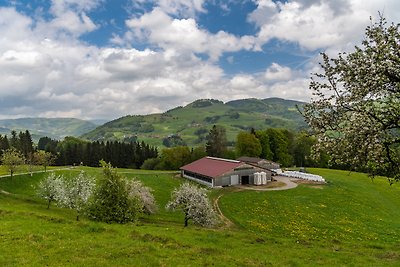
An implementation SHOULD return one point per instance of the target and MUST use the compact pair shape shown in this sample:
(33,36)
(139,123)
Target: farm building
(214,172)
(262,163)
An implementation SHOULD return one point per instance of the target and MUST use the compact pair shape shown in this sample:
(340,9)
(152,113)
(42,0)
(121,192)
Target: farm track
(227,223)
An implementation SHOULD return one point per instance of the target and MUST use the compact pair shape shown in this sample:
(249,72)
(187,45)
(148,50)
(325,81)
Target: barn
(215,172)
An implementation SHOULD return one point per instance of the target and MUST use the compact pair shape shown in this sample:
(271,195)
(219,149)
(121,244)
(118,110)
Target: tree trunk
(48,204)
(186,220)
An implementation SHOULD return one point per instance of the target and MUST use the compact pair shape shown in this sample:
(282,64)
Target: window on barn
(198,176)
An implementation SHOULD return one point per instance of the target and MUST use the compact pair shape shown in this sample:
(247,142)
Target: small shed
(214,172)
(262,163)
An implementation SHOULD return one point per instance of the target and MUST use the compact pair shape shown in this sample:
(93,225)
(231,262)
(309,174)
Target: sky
(103,59)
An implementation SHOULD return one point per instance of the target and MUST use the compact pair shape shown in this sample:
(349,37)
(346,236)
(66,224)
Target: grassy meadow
(350,221)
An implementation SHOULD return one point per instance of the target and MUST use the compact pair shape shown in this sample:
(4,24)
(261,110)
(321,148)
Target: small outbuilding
(214,172)
(262,163)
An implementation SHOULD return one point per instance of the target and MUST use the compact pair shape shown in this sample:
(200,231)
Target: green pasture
(350,221)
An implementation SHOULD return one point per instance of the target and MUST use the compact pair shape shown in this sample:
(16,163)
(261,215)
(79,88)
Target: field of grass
(349,221)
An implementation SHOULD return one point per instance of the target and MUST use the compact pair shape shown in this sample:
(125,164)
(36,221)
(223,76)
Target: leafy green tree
(247,144)
(150,164)
(112,201)
(12,159)
(176,157)
(302,150)
(194,203)
(43,158)
(216,141)
(198,153)
(43,141)
(173,141)
(266,152)
(279,144)
(355,112)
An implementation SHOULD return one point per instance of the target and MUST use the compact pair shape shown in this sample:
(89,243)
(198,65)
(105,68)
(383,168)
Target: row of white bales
(301,175)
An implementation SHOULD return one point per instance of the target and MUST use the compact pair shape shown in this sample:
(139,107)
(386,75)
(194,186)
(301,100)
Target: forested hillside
(190,124)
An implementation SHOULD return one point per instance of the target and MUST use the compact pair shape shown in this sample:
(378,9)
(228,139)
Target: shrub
(112,201)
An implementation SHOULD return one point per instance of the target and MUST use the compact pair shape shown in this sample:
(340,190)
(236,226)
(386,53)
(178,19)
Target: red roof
(212,167)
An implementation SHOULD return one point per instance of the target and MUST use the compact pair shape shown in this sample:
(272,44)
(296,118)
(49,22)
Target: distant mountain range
(56,128)
(192,122)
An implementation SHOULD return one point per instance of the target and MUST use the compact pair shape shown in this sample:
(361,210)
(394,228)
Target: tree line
(279,145)
(74,151)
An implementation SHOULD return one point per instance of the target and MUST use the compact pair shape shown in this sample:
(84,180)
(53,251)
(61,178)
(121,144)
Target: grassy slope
(186,120)
(349,221)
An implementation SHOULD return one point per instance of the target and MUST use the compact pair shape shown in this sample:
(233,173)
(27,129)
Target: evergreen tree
(216,141)
(112,201)
(25,143)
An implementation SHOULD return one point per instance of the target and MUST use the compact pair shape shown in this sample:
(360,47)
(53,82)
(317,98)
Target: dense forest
(74,151)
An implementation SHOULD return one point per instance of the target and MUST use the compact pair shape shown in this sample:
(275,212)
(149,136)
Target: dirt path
(227,223)
(288,181)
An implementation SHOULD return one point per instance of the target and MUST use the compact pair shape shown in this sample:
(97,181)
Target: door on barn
(234,179)
(245,179)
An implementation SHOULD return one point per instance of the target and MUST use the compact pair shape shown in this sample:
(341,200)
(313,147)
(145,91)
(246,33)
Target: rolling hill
(192,122)
(56,128)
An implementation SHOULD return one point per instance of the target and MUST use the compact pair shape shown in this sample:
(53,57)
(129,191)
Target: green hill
(193,121)
(56,128)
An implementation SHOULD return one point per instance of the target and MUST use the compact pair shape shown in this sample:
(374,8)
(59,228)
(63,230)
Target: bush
(150,164)
(112,201)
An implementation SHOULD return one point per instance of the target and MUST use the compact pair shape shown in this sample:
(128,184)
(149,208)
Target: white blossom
(194,203)
(143,193)
(75,192)
(49,187)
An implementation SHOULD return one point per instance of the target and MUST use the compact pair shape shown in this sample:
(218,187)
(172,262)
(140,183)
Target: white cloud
(186,8)
(184,35)
(45,70)
(277,72)
(180,8)
(318,24)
